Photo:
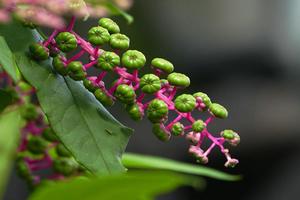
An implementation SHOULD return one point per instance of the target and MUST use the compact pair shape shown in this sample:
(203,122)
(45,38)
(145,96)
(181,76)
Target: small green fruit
(119,41)
(125,94)
(150,83)
(65,166)
(103,98)
(198,126)
(38,51)
(133,59)
(135,111)
(89,85)
(162,64)
(62,151)
(157,110)
(161,132)
(108,61)
(185,103)
(66,41)
(177,129)
(218,111)
(109,24)
(36,145)
(178,79)
(204,98)
(98,36)
(59,66)
(49,135)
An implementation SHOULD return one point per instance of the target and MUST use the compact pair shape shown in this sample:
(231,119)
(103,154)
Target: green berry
(157,110)
(49,135)
(177,129)
(228,134)
(24,87)
(161,132)
(162,64)
(103,98)
(218,110)
(59,66)
(76,71)
(119,41)
(125,94)
(38,51)
(204,98)
(198,126)
(65,166)
(66,41)
(133,59)
(109,24)
(89,85)
(36,145)
(29,112)
(98,36)
(108,61)
(185,103)
(150,83)
(62,151)
(178,79)
(22,169)
(135,112)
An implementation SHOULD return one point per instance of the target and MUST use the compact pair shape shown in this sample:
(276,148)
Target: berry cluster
(131,89)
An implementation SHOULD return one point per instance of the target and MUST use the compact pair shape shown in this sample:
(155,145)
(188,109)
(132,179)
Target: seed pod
(89,85)
(65,166)
(98,36)
(109,24)
(66,41)
(198,126)
(218,110)
(203,97)
(125,94)
(177,129)
(103,98)
(62,151)
(49,135)
(161,132)
(36,145)
(162,64)
(119,41)
(135,111)
(150,83)
(185,103)
(178,79)
(59,66)
(133,59)
(29,112)
(38,51)
(76,71)
(157,110)
(108,61)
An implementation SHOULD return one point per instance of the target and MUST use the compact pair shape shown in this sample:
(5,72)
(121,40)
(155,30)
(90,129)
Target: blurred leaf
(10,123)
(5,99)
(7,60)
(115,10)
(131,186)
(88,130)
(132,160)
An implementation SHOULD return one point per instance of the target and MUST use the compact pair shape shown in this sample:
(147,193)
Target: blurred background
(244,55)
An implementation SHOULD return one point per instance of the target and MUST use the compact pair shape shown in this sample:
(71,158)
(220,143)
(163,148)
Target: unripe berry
(65,166)
(203,97)
(22,169)
(28,112)
(98,36)
(231,136)
(36,145)
(185,103)
(66,41)
(161,132)
(38,51)
(109,24)
(103,98)
(108,61)
(157,110)
(62,151)
(218,110)
(125,94)
(177,129)
(49,135)
(89,85)
(179,80)
(59,66)
(133,59)
(198,126)
(119,41)
(135,111)
(76,71)
(150,83)
(24,87)
(162,64)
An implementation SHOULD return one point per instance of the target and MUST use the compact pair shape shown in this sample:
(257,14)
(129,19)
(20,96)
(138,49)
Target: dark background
(246,56)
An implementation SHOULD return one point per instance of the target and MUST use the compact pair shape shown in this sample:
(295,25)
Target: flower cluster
(132,90)
(48,13)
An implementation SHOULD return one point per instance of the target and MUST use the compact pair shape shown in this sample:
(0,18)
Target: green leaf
(5,99)
(88,130)
(115,10)
(132,160)
(7,60)
(132,186)
(10,123)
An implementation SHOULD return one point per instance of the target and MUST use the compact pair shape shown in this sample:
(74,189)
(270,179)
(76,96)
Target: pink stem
(178,118)
(76,57)
(49,40)
(86,66)
(209,120)
(84,44)
(71,25)
(101,76)
(114,87)
(122,72)
(141,97)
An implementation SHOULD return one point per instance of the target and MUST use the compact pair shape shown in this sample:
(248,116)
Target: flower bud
(108,61)
(193,137)
(38,51)
(119,41)
(185,103)
(103,98)
(150,83)
(133,59)
(178,79)
(157,110)
(231,163)
(163,65)
(109,24)
(161,132)
(98,36)
(135,111)
(36,145)
(125,94)
(177,129)
(198,126)
(66,41)
(218,110)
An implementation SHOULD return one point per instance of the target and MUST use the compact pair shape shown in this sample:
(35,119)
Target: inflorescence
(131,89)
